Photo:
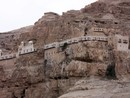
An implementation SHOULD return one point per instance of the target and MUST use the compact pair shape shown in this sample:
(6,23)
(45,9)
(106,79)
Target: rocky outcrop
(87,69)
(94,88)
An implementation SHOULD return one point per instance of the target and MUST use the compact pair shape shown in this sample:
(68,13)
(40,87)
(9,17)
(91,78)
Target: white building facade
(122,42)
(26,48)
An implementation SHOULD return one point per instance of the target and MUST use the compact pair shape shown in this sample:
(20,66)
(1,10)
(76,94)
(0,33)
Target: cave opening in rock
(110,71)
(23,94)
(85,31)
(64,46)
(13,95)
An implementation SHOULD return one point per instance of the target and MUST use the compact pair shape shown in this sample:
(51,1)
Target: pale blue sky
(19,13)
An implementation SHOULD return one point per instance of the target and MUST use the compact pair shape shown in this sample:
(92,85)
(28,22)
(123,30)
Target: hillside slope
(85,69)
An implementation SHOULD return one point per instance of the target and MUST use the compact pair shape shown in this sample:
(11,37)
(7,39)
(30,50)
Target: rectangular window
(75,40)
(94,38)
(88,38)
(102,38)
(83,38)
(125,41)
(70,41)
(119,41)
(53,45)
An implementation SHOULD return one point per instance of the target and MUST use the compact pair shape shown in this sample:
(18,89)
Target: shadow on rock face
(110,72)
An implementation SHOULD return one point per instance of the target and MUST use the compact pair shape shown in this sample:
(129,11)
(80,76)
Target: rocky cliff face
(89,69)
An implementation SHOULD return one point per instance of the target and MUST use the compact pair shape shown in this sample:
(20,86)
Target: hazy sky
(19,13)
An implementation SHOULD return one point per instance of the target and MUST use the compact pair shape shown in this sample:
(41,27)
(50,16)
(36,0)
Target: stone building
(51,45)
(97,31)
(54,55)
(121,42)
(23,49)
(75,40)
(6,56)
(26,48)
(49,16)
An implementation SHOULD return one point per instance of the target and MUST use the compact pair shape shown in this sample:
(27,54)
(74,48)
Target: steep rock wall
(33,76)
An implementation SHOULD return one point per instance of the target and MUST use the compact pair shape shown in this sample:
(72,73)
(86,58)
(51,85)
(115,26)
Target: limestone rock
(95,88)
(84,69)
